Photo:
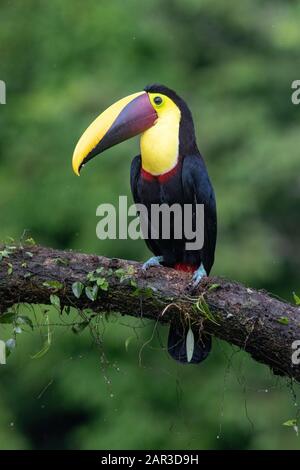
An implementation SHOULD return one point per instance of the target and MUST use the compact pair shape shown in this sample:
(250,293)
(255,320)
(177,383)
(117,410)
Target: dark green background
(63,63)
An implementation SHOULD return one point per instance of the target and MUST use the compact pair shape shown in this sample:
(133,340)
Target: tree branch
(253,320)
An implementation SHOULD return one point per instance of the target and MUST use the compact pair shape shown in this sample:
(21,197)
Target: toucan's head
(134,115)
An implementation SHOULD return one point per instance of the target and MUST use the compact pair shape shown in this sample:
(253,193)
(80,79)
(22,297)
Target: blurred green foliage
(63,63)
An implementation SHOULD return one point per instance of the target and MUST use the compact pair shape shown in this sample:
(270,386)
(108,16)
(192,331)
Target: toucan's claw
(198,275)
(153,261)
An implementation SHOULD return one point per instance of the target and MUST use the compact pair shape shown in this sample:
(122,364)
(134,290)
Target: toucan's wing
(135,172)
(198,188)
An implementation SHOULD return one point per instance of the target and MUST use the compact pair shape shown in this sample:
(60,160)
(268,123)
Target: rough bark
(260,324)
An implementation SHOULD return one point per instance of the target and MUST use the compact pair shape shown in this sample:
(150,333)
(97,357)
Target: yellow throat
(160,143)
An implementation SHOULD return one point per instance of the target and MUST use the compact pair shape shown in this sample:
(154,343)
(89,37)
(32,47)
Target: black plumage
(188,183)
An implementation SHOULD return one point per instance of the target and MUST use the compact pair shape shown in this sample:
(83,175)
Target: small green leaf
(290,423)
(23,319)
(202,306)
(24,265)
(120,272)
(67,309)
(214,286)
(55,285)
(77,288)
(102,283)
(296,298)
(130,270)
(62,261)
(9,269)
(80,327)
(91,276)
(4,254)
(30,241)
(11,248)
(128,341)
(8,318)
(283,320)
(26,275)
(91,292)
(99,270)
(55,300)
(29,254)
(190,343)
(145,293)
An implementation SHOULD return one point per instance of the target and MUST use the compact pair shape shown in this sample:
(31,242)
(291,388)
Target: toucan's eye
(157,100)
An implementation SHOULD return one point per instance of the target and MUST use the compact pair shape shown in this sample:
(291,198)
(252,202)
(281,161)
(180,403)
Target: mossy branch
(262,325)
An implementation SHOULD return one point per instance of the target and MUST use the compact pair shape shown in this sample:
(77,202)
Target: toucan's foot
(198,275)
(153,261)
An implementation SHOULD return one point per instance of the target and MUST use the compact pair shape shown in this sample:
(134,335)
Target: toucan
(169,170)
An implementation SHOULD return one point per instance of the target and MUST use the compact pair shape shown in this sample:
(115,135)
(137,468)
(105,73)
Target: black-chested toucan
(169,169)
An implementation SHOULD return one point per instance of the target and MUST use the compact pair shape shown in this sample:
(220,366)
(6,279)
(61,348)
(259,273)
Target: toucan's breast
(167,189)
(165,177)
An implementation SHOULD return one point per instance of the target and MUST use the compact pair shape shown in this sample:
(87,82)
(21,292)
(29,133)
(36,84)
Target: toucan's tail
(187,345)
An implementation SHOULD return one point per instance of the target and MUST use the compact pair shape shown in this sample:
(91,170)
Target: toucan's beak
(126,118)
